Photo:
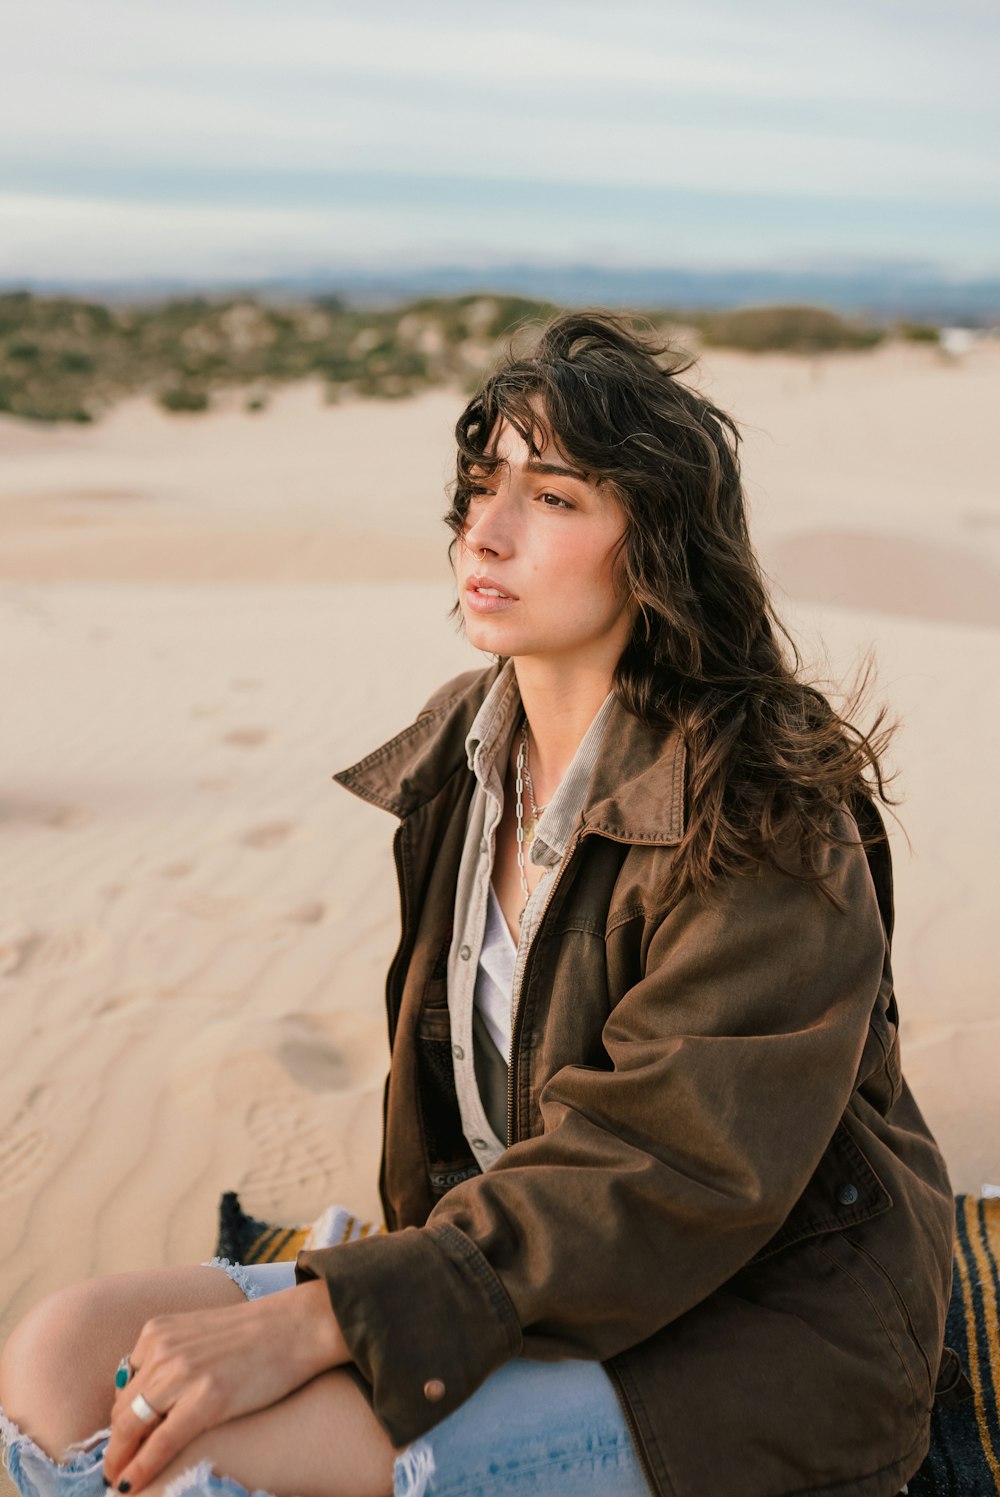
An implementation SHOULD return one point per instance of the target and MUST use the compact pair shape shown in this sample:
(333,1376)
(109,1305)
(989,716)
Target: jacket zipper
(515,1025)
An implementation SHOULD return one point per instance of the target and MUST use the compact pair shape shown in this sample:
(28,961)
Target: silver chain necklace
(522,778)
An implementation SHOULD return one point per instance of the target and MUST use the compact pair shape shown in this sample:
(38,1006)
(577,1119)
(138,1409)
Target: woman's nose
(490,532)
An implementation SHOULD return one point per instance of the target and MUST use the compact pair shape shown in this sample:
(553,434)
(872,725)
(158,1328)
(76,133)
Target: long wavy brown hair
(770,763)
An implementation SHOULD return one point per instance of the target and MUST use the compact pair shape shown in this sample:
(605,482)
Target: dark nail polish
(124,1486)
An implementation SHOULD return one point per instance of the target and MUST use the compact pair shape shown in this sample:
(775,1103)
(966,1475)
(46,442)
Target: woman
(663,1215)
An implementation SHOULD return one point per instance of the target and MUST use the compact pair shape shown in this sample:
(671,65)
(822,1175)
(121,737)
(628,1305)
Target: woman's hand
(201,1368)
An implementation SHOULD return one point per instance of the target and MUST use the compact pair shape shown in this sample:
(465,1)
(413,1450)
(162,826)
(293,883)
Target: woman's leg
(554,1429)
(321,1441)
(556,1426)
(57,1382)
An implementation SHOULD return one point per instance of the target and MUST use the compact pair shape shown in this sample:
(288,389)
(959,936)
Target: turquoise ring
(124,1372)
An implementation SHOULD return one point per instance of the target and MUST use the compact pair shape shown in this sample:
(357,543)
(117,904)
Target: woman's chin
(484,634)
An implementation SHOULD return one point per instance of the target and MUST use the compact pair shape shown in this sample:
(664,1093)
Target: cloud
(853,121)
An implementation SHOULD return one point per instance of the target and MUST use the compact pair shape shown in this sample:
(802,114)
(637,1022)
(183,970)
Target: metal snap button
(479,1143)
(434,1389)
(465,952)
(847,1195)
(458,1052)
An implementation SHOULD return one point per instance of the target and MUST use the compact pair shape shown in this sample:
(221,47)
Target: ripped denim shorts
(537,1429)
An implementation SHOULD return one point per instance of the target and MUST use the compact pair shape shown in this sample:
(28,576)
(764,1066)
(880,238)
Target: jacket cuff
(397,1297)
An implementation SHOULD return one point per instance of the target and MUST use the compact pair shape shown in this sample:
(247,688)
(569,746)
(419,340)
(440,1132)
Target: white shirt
(488,744)
(495,975)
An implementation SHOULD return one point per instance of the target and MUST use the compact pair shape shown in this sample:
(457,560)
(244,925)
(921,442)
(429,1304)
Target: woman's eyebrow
(539,467)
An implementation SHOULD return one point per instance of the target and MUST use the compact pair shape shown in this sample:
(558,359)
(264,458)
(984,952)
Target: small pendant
(528,830)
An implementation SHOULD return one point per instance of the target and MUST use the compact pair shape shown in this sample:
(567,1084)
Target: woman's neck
(560,706)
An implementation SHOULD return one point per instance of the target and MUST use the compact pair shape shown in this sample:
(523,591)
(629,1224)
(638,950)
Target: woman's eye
(556,499)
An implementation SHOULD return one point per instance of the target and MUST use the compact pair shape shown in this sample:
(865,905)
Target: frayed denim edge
(9,1433)
(412,1470)
(20,1450)
(238,1274)
(202,1478)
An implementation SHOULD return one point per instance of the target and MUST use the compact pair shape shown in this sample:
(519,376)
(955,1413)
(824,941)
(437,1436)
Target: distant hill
(70,359)
(883,292)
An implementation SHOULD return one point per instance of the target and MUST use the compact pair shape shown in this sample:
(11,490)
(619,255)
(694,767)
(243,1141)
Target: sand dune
(202,617)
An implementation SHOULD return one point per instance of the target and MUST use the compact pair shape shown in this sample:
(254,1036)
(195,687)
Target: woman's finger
(168,1438)
(128,1432)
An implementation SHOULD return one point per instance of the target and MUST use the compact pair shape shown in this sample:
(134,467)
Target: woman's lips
(485,595)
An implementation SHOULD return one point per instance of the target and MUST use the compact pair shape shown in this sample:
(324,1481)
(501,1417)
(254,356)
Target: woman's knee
(42,1362)
(57,1367)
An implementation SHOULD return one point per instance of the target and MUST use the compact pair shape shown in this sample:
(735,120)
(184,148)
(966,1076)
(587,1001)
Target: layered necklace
(525,829)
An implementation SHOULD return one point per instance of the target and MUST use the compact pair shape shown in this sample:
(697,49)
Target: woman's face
(535,570)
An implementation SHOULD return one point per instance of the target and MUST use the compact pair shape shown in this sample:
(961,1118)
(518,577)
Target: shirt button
(479,1143)
(482,844)
(458,1052)
(434,1389)
(465,952)
(847,1195)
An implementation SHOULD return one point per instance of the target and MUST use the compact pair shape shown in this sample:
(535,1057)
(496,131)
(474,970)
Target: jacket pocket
(870,1277)
(449,1159)
(434,1018)
(843,1191)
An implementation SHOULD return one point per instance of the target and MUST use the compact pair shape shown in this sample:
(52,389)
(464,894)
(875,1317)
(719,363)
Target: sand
(202,617)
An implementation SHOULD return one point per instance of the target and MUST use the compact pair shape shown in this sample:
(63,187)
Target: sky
(242,139)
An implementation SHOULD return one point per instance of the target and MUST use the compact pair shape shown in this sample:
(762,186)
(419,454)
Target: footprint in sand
(25,1141)
(206,906)
(307,914)
(59,814)
(46,1113)
(290,1128)
(292,1146)
(311,1057)
(190,992)
(122,1004)
(26,951)
(271,834)
(177,870)
(23,1149)
(15,943)
(247,737)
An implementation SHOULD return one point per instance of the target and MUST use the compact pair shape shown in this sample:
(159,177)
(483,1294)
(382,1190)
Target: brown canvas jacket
(717,1182)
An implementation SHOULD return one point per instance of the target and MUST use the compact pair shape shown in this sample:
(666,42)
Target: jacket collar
(636,793)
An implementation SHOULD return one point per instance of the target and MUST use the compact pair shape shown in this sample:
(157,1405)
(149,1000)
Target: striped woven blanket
(964,1458)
